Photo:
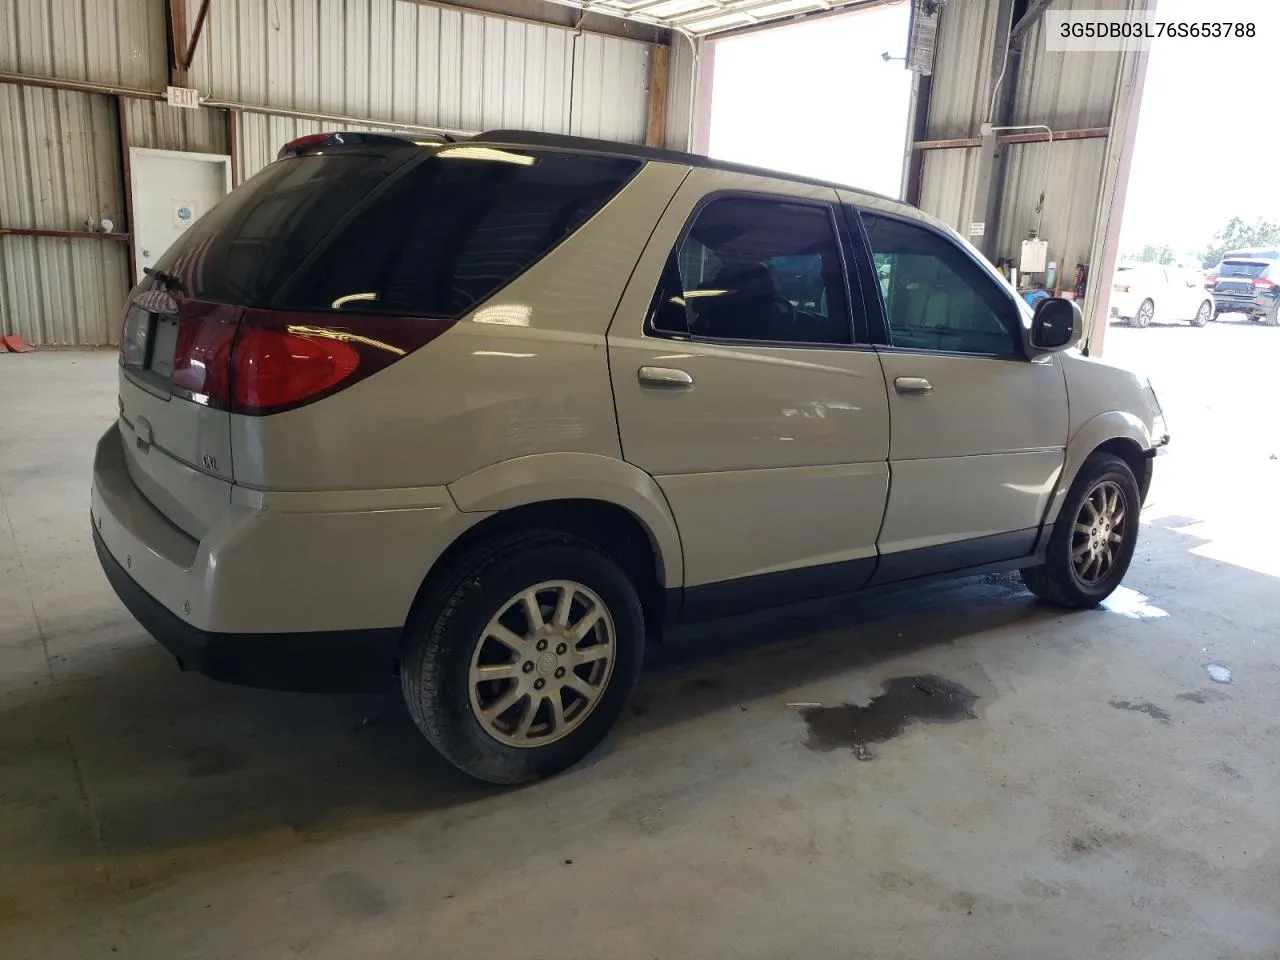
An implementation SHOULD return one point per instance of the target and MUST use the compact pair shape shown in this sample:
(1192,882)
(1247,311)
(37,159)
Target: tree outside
(1238,234)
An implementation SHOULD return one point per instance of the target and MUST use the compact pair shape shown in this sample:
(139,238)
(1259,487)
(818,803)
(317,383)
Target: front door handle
(912,385)
(664,377)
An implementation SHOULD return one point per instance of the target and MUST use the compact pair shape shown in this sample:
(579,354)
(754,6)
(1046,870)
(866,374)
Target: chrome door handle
(912,385)
(664,377)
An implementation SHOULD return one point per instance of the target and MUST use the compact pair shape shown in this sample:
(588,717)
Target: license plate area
(149,343)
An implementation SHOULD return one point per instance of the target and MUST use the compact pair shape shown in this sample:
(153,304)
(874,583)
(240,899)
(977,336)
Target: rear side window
(756,269)
(453,229)
(402,232)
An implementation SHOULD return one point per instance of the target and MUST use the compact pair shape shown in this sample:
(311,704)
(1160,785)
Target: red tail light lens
(1262,284)
(1211,280)
(202,356)
(255,362)
(273,369)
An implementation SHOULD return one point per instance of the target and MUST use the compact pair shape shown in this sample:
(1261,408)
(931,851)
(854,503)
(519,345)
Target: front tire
(1202,315)
(1093,540)
(522,658)
(1146,311)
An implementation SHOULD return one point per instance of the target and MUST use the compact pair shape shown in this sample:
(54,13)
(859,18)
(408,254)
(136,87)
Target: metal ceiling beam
(578,17)
(1035,10)
(201,17)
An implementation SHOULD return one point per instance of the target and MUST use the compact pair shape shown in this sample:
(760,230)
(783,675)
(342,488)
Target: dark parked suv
(1246,285)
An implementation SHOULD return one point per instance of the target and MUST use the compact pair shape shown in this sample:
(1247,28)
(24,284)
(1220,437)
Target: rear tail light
(1211,280)
(257,362)
(1262,284)
(275,369)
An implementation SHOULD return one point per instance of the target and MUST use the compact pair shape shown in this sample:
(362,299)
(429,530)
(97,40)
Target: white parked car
(490,414)
(1143,292)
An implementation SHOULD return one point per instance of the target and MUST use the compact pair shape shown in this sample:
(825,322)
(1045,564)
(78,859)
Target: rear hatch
(1240,278)
(347,254)
(180,330)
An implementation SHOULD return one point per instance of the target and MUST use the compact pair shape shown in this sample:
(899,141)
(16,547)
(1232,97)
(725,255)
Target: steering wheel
(788,307)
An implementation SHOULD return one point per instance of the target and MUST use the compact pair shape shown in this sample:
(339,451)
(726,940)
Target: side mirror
(1056,324)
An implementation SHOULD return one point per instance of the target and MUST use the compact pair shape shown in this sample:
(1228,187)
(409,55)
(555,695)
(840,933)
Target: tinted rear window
(453,229)
(430,236)
(243,249)
(1231,268)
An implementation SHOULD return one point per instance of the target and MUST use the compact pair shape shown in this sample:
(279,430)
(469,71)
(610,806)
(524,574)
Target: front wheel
(522,659)
(1202,315)
(1146,311)
(1093,540)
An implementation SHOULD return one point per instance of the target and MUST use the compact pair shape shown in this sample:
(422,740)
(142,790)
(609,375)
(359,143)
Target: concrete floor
(1107,800)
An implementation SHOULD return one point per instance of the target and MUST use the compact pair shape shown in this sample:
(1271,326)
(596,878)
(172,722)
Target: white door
(171,190)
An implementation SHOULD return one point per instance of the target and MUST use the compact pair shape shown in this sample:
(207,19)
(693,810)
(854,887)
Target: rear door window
(757,269)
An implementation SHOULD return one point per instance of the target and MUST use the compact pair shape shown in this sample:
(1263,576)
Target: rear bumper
(1228,304)
(336,660)
(294,589)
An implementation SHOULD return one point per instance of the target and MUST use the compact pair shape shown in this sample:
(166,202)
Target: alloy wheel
(542,664)
(1099,532)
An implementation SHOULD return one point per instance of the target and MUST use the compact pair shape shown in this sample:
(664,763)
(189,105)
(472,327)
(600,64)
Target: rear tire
(1146,312)
(1093,540)
(1202,315)
(482,618)
(1273,315)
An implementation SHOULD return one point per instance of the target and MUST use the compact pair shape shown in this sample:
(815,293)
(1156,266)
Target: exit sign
(183,97)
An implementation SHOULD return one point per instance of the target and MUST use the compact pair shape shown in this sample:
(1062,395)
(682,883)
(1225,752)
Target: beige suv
(492,413)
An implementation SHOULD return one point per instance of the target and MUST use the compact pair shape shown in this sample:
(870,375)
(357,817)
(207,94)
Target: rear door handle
(912,385)
(664,377)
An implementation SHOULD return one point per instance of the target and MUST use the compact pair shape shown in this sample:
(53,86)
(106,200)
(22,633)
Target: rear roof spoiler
(359,138)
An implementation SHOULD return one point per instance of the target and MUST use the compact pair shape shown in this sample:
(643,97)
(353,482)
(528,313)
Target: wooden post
(655,134)
(126,174)
(176,14)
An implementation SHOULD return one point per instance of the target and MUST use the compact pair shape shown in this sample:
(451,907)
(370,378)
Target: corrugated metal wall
(404,62)
(63,168)
(1066,92)
(119,42)
(384,61)
(155,124)
(961,93)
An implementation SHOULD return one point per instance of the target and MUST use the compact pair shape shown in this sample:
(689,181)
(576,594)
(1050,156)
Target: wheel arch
(610,502)
(1116,432)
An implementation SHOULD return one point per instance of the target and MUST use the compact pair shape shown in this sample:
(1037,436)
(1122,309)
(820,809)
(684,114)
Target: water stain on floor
(1142,706)
(905,700)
